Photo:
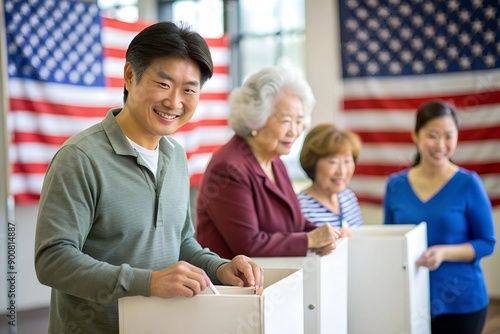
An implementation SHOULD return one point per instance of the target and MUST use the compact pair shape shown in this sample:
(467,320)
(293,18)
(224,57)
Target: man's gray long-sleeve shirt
(105,223)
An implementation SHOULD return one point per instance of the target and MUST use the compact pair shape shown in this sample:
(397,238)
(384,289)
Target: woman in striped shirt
(329,158)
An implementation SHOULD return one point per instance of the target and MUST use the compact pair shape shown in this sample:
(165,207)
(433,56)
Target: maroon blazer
(240,211)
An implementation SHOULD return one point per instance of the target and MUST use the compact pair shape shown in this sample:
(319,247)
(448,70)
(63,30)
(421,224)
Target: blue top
(459,212)
(315,212)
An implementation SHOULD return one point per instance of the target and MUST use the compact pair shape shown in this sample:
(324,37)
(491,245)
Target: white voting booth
(235,310)
(388,293)
(325,288)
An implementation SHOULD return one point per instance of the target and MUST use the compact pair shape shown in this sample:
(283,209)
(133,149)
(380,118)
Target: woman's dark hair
(427,112)
(168,39)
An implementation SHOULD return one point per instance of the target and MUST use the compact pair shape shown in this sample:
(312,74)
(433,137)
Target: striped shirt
(315,212)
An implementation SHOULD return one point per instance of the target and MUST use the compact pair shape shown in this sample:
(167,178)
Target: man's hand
(181,279)
(241,271)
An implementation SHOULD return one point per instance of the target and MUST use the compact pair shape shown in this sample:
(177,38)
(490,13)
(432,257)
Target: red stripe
(195,179)
(26,198)
(412,103)
(33,137)
(127,26)
(190,126)
(203,149)
(41,107)
(218,42)
(109,52)
(31,168)
(464,135)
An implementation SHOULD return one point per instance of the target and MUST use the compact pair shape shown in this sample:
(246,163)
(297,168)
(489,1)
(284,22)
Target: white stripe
(403,154)
(54,125)
(398,120)
(32,152)
(203,136)
(220,55)
(219,83)
(64,94)
(115,38)
(425,85)
(26,183)
(197,163)
(211,109)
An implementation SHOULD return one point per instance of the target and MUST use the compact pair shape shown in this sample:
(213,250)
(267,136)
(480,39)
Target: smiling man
(114,217)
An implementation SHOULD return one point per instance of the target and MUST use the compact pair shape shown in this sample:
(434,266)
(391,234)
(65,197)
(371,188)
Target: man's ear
(128,74)
(414,136)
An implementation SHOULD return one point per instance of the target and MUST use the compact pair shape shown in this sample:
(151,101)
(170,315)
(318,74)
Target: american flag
(398,54)
(65,71)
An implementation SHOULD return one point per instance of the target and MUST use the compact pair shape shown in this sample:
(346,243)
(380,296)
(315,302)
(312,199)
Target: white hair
(252,103)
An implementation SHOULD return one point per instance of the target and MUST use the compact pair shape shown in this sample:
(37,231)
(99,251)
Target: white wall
(30,294)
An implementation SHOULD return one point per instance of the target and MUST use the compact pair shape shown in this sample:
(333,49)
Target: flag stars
(405,10)
(429,54)
(383,13)
(372,67)
(394,45)
(477,49)
(417,44)
(490,13)
(489,36)
(429,8)
(452,29)
(352,24)
(440,65)
(418,66)
(441,41)
(362,14)
(384,34)
(452,5)
(395,67)
(464,63)
(351,47)
(394,22)
(441,19)
(362,35)
(452,52)
(373,24)
(489,60)
(405,33)
(429,31)
(477,26)
(464,38)
(417,21)
(352,69)
(384,57)
(406,56)
(362,57)
(464,16)
(373,47)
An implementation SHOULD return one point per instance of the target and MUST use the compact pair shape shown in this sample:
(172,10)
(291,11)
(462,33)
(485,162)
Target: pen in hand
(214,290)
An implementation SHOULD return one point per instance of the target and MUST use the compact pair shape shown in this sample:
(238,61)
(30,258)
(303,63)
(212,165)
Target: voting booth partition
(236,310)
(325,288)
(388,292)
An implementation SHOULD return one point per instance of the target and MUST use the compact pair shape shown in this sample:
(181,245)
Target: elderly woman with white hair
(246,203)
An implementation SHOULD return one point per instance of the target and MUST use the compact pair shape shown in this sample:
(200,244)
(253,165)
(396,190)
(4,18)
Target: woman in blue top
(458,213)
(328,157)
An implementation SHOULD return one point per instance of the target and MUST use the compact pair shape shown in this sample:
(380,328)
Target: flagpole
(7,224)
